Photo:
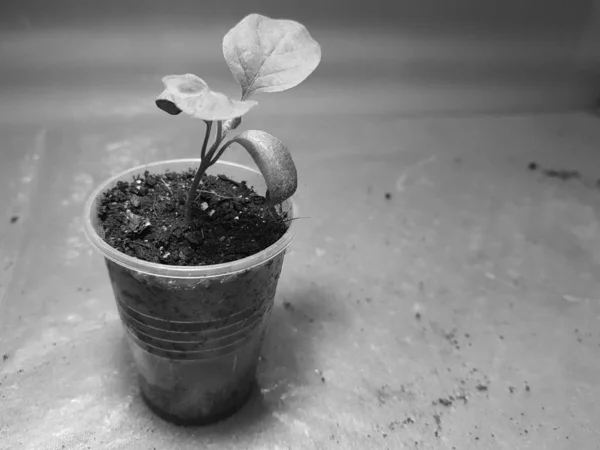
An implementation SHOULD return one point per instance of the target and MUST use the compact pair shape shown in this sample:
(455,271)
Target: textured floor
(461,312)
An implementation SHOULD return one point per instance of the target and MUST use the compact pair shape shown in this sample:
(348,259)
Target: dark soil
(217,406)
(145,219)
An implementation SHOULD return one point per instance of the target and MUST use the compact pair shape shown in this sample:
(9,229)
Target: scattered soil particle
(451,338)
(418,316)
(14,219)
(388,196)
(463,398)
(408,421)
(392,425)
(481,387)
(288,306)
(145,219)
(447,402)
(527,388)
(320,374)
(561,174)
(511,389)
(5,357)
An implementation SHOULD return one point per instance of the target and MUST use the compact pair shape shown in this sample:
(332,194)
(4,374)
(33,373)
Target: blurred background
(413,57)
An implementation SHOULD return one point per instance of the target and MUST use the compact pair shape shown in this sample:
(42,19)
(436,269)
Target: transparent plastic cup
(195,332)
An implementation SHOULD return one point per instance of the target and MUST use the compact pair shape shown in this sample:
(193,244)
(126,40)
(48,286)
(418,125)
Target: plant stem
(218,139)
(227,144)
(205,163)
(206,137)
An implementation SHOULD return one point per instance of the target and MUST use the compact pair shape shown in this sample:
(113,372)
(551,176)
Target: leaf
(274,161)
(190,94)
(269,55)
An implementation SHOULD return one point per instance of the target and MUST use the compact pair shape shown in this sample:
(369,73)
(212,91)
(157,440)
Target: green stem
(204,164)
(206,137)
(209,158)
(218,139)
(227,144)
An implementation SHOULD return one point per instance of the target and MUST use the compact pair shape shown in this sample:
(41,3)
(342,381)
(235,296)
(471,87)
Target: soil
(217,405)
(145,219)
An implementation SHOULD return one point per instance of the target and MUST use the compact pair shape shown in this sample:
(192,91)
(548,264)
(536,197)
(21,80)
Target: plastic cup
(195,332)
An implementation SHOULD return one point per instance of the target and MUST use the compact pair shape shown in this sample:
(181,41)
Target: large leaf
(269,55)
(190,94)
(274,161)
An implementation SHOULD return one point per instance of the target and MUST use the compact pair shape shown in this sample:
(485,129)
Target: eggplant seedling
(264,55)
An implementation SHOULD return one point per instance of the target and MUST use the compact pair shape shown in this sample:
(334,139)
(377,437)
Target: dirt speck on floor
(288,306)
(447,402)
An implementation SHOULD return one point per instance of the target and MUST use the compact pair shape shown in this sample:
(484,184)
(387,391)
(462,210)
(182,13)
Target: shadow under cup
(195,332)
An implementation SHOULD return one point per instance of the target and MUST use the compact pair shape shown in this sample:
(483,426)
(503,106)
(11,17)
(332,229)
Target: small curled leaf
(168,106)
(270,55)
(231,124)
(274,161)
(190,94)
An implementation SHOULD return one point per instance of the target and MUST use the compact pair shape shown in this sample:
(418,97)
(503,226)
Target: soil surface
(145,219)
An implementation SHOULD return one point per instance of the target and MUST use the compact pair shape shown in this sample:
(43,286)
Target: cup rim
(190,272)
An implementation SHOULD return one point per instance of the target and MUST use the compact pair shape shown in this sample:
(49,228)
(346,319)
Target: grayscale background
(475,281)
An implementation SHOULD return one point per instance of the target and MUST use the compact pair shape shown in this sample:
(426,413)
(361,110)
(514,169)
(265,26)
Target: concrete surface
(460,313)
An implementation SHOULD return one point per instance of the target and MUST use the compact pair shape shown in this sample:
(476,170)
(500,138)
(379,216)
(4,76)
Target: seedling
(264,55)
